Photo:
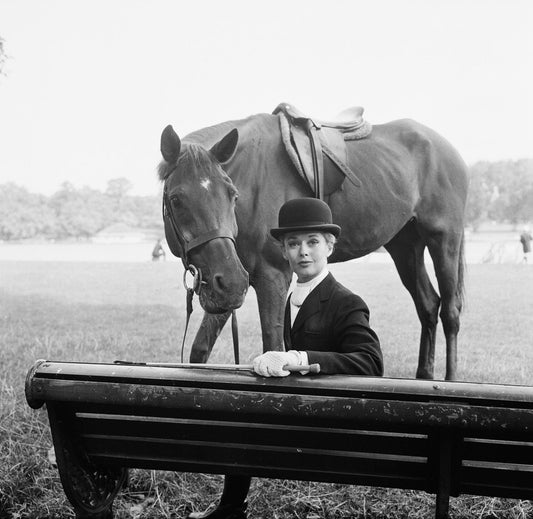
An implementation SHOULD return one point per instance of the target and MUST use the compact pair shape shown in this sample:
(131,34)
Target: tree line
(499,192)
(74,213)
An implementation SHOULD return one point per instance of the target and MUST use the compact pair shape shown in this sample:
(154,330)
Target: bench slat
(292,473)
(257,433)
(519,452)
(275,463)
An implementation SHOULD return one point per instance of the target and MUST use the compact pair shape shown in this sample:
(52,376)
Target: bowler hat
(304,214)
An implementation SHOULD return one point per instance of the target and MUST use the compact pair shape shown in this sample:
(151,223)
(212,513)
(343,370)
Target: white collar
(302,290)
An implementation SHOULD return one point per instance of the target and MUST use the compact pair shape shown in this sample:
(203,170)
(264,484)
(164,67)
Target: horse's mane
(163,170)
(195,152)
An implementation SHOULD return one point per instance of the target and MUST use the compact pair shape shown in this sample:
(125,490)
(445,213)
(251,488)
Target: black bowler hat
(305,214)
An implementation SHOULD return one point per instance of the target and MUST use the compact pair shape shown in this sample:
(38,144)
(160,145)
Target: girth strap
(316,153)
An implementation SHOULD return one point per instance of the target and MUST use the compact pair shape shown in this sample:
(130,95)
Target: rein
(181,247)
(197,282)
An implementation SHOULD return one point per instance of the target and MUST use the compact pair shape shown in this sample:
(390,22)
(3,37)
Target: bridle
(181,247)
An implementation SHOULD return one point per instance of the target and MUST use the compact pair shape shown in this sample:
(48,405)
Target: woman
(325,323)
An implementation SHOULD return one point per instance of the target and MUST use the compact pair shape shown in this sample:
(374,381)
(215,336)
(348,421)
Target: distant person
(158,253)
(525,240)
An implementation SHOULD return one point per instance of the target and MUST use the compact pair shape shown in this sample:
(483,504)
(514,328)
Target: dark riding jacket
(332,326)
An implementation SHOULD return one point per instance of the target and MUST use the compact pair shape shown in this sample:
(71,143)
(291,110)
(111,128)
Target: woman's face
(307,253)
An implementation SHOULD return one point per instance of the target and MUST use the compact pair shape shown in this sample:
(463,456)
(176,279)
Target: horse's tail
(461,291)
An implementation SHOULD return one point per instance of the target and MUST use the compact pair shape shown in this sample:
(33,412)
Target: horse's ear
(223,150)
(170,145)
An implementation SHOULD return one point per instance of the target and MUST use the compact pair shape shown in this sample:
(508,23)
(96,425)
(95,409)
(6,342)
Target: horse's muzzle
(216,297)
(224,281)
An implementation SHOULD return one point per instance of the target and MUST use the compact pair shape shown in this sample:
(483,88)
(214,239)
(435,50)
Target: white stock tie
(299,294)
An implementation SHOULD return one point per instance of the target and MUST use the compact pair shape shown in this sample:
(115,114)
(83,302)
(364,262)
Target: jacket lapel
(312,302)
(287,325)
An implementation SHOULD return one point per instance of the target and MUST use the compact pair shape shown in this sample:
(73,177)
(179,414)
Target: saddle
(308,140)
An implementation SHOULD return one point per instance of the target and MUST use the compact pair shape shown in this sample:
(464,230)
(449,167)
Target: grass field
(135,311)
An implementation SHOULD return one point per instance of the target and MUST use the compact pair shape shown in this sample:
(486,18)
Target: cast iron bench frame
(445,438)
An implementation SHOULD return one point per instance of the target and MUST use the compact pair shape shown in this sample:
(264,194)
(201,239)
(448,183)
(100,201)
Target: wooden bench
(446,438)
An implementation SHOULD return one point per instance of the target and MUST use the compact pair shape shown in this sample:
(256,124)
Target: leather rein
(181,247)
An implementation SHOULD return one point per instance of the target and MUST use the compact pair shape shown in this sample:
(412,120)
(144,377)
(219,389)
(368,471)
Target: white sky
(90,85)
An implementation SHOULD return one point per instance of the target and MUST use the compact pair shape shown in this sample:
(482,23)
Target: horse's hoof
(424,375)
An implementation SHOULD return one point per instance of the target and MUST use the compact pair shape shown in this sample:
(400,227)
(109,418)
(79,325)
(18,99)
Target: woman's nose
(304,250)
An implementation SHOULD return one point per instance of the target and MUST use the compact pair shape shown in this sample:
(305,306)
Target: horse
(224,185)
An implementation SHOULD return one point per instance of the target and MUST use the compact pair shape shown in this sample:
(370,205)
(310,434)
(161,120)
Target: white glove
(271,363)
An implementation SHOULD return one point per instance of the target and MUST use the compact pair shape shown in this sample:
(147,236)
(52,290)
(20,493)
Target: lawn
(135,311)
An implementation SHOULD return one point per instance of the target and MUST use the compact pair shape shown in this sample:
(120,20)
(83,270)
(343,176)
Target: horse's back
(409,140)
(407,170)
(405,153)
(440,172)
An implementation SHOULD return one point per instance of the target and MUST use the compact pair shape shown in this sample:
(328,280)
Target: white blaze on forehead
(205,183)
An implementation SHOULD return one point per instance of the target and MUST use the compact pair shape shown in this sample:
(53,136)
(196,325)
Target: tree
(117,190)
(480,192)
(514,190)
(500,191)
(80,213)
(2,54)
(148,211)
(23,214)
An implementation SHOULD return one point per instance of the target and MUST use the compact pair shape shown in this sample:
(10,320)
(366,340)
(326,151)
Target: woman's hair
(330,238)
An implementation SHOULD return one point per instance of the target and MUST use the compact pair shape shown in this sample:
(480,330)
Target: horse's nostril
(218,283)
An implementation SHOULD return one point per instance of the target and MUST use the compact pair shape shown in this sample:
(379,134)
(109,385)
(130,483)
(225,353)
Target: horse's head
(199,214)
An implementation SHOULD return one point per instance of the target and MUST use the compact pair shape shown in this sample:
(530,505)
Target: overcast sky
(89,85)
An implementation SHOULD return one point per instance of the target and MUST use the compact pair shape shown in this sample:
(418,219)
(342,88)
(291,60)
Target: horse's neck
(207,137)
(261,168)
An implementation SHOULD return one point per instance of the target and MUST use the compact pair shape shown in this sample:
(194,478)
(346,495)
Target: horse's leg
(271,287)
(407,251)
(207,334)
(447,252)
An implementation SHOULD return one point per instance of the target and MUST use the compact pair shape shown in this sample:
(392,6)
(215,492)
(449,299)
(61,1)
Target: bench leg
(445,456)
(90,489)
(107,514)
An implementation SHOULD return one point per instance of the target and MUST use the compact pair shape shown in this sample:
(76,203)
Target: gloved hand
(271,363)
